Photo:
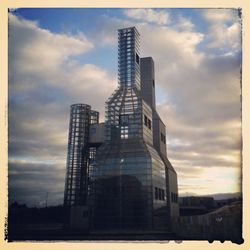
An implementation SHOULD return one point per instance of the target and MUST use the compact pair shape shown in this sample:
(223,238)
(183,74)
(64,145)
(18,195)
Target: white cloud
(38,51)
(184,24)
(44,80)
(149,15)
(225,37)
(225,30)
(219,15)
(170,47)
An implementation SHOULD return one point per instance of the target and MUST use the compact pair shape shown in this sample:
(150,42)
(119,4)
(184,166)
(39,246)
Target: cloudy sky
(62,56)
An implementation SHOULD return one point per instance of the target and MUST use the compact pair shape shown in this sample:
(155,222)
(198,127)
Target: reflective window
(124,132)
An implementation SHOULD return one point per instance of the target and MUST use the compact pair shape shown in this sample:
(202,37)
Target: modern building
(80,153)
(79,150)
(118,173)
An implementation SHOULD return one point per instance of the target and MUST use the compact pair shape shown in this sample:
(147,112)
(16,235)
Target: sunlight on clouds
(234,158)
(178,142)
(148,15)
(222,180)
(89,74)
(220,15)
(224,31)
(225,36)
(38,49)
(184,24)
(199,90)
(211,181)
(171,50)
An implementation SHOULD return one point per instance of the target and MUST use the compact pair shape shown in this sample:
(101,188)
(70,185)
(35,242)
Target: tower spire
(129,57)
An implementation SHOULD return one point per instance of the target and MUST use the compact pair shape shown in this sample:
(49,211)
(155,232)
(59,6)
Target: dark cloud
(29,182)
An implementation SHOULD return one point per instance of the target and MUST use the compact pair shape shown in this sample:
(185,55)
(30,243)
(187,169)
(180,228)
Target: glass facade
(119,170)
(123,180)
(128,57)
(121,185)
(127,168)
(76,181)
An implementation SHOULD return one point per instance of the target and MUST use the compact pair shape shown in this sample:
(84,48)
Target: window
(124,132)
(159,194)
(147,122)
(163,138)
(153,82)
(156,193)
(137,58)
(174,197)
(162,194)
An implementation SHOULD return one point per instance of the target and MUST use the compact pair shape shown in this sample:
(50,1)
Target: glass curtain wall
(127,169)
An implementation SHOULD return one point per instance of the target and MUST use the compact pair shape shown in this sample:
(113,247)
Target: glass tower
(76,181)
(128,182)
(128,57)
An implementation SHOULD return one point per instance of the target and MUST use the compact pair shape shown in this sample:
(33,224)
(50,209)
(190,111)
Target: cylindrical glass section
(76,176)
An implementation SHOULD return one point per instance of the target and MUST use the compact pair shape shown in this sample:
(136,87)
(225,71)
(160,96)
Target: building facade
(130,184)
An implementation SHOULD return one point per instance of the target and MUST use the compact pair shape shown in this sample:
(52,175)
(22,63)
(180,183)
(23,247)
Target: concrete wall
(96,133)
(209,227)
(173,187)
(162,130)
(159,128)
(148,80)
(147,133)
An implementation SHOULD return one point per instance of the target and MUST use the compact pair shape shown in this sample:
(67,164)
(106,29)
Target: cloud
(225,29)
(212,181)
(170,48)
(148,15)
(225,37)
(45,78)
(219,15)
(41,49)
(199,101)
(30,181)
(184,24)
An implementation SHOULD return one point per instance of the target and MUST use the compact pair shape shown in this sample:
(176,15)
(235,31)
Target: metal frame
(76,181)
